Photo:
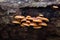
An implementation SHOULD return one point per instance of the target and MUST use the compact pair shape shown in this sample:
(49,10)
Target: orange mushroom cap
(23,20)
(43,24)
(28,16)
(45,19)
(33,24)
(19,17)
(37,20)
(16,22)
(28,22)
(25,24)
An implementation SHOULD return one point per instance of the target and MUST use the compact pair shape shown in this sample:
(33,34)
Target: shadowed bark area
(13,31)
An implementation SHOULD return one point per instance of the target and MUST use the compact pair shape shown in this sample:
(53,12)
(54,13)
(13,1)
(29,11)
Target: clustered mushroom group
(35,22)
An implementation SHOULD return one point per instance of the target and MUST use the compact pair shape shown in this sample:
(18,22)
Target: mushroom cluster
(35,22)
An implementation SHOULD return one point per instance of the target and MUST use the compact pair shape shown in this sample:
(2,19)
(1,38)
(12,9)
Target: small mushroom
(37,20)
(33,24)
(16,22)
(19,17)
(23,20)
(38,17)
(37,27)
(42,18)
(28,17)
(45,19)
(28,22)
(43,24)
(41,15)
(25,24)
